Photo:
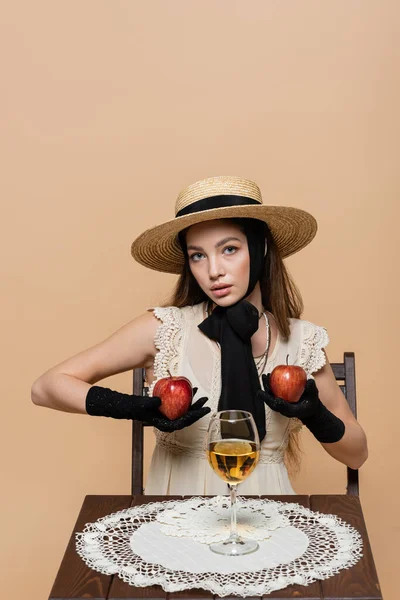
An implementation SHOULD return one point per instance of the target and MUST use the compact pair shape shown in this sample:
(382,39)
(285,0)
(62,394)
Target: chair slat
(338,370)
(137,438)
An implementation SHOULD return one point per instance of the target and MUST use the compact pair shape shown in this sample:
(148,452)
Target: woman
(235,315)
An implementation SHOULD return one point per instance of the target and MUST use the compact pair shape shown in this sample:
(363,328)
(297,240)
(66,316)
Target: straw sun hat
(221,198)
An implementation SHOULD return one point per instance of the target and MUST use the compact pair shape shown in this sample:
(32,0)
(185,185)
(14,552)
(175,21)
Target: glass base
(234,547)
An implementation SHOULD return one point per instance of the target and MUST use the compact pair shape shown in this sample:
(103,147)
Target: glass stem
(233,490)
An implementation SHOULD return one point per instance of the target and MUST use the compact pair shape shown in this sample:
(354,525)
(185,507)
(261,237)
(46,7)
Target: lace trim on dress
(314,339)
(167,340)
(167,441)
(311,358)
(215,391)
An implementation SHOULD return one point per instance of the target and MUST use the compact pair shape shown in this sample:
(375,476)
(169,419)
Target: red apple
(288,382)
(176,395)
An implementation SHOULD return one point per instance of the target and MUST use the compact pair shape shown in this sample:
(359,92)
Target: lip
(221,291)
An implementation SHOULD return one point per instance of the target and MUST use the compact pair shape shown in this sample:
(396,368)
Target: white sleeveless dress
(179,463)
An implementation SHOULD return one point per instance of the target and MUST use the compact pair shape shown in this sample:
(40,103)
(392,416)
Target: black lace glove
(103,402)
(323,424)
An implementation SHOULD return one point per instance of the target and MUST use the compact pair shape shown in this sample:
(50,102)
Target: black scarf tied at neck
(232,327)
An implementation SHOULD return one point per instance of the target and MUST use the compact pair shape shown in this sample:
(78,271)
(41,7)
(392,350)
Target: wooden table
(76,580)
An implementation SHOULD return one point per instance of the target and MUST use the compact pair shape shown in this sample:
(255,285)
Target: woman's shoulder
(176,315)
(172,327)
(306,328)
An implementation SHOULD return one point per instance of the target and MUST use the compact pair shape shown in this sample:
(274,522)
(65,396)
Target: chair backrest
(139,389)
(344,373)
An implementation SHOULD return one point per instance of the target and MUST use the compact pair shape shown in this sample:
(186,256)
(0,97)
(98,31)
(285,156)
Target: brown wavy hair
(280,296)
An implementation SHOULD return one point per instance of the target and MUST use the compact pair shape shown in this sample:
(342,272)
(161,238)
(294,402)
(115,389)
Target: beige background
(108,109)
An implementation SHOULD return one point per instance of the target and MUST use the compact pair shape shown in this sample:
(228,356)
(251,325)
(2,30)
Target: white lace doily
(184,554)
(129,543)
(208,521)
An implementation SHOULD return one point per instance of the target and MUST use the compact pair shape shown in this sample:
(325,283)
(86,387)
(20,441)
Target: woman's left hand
(323,424)
(307,406)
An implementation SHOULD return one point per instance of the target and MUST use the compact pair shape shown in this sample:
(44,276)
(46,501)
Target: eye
(230,250)
(196,256)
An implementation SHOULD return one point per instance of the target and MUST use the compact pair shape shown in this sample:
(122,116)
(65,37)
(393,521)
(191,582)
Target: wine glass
(233,450)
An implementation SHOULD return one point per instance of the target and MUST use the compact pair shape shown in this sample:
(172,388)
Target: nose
(215,268)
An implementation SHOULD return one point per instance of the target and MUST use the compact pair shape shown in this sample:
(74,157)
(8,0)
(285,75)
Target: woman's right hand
(195,412)
(103,402)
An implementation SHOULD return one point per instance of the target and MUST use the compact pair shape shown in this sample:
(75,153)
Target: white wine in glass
(233,453)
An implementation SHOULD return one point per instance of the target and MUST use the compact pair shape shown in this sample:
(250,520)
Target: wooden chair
(344,373)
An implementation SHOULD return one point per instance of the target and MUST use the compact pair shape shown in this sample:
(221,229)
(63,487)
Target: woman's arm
(65,386)
(352,448)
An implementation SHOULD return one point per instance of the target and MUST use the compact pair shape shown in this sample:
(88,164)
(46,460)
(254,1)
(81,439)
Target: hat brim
(158,248)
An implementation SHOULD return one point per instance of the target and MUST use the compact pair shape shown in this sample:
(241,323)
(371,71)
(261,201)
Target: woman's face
(219,260)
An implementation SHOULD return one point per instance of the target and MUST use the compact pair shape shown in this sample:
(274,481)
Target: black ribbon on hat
(215,202)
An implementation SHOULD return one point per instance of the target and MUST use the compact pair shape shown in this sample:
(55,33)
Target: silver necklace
(261,361)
